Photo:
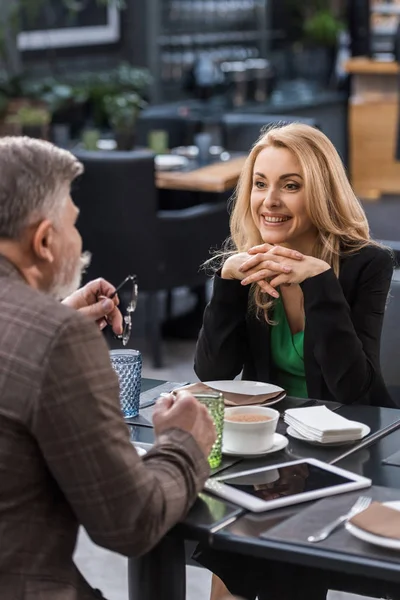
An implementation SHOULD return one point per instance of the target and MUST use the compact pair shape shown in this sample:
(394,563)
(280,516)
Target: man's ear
(43,241)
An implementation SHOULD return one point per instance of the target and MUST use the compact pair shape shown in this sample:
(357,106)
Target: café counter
(373,127)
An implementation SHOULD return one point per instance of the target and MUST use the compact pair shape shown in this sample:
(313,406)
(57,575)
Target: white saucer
(140,451)
(142,447)
(280,442)
(295,434)
(371,538)
(240,386)
(167,162)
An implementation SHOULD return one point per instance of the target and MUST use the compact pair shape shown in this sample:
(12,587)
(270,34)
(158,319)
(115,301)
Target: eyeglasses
(130,309)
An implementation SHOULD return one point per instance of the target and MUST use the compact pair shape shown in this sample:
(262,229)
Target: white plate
(295,434)
(371,538)
(280,442)
(165,162)
(240,386)
(107,145)
(188,151)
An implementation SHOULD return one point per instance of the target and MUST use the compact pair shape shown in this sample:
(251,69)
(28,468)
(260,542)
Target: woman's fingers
(278,250)
(279,280)
(260,248)
(252,262)
(265,271)
(264,261)
(267,288)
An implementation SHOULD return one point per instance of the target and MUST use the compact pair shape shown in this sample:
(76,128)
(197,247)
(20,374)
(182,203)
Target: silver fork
(361,504)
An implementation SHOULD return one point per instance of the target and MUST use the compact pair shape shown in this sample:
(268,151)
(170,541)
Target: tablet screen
(285,481)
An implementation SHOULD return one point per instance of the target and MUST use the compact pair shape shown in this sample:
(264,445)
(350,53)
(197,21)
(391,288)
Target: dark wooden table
(161,573)
(217,178)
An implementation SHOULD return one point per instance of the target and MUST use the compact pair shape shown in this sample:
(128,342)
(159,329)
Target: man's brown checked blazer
(65,454)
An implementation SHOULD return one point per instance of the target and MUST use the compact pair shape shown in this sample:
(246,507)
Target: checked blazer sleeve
(126,504)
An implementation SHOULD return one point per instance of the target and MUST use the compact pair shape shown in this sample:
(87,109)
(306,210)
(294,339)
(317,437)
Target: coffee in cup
(249,429)
(248,418)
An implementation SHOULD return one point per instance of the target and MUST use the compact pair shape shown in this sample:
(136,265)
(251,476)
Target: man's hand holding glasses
(93,300)
(98,300)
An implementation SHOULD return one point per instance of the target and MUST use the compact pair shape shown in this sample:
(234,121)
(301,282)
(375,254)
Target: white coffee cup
(249,437)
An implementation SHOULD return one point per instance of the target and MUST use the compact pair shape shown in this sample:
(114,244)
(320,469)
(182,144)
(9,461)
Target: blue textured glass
(128,366)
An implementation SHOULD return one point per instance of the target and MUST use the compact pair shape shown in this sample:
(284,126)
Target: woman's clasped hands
(271,266)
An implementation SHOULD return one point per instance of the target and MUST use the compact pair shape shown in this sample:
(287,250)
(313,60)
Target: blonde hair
(33,172)
(330,201)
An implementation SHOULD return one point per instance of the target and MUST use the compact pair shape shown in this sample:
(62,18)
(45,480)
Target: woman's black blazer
(343,324)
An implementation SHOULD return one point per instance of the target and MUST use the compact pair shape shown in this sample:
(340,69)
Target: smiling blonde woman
(302,280)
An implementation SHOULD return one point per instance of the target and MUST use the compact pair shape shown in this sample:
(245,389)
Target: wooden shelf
(364,65)
(373,129)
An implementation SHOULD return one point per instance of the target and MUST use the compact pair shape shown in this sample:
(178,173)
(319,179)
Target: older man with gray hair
(65,454)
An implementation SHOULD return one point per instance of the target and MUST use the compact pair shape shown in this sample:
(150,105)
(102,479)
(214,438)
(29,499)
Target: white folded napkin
(320,424)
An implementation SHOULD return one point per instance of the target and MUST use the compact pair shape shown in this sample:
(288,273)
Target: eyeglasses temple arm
(130,277)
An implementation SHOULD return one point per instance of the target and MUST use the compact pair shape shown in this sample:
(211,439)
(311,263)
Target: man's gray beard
(61,288)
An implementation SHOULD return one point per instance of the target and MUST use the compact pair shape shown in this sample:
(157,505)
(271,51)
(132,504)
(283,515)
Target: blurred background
(161,100)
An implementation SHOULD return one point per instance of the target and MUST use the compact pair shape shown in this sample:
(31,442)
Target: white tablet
(287,483)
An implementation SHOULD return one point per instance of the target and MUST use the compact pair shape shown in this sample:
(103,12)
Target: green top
(287,354)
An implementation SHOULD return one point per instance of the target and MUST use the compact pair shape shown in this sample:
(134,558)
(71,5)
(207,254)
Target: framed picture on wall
(70,23)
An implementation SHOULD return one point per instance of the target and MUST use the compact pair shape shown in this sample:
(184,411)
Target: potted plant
(321,31)
(32,121)
(313,28)
(122,111)
(123,79)
(322,28)
(66,103)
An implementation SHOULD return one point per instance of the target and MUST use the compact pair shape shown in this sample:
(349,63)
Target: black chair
(120,224)
(241,130)
(395,247)
(390,343)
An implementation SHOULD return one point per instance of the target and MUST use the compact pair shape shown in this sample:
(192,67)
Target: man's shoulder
(35,329)
(29,310)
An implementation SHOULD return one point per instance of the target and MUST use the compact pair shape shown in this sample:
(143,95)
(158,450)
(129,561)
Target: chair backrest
(395,247)
(117,199)
(241,130)
(390,344)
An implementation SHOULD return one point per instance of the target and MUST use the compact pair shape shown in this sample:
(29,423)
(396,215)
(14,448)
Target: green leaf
(122,110)
(322,28)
